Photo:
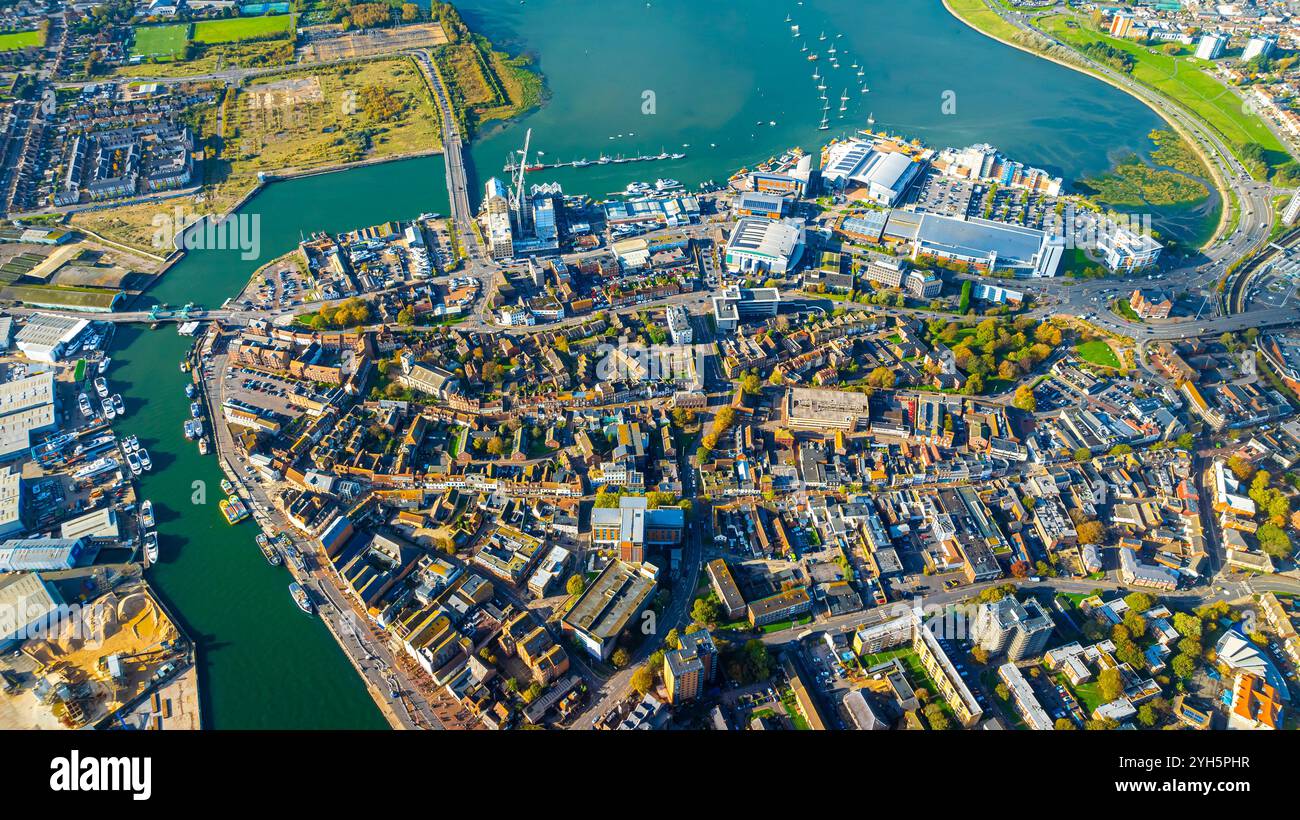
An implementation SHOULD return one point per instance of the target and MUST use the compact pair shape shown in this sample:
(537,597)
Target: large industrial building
(885,176)
(613,601)
(761,246)
(47,336)
(812,409)
(983,244)
(27,408)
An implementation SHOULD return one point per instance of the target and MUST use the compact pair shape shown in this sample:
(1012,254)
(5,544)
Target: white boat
(103,365)
(203,446)
(96,467)
(133,461)
(151,547)
(107,407)
(145,461)
(83,401)
(146,514)
(118,404)
(131,443)
(101,387)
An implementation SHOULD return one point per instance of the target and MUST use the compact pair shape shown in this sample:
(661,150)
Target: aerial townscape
(375,364)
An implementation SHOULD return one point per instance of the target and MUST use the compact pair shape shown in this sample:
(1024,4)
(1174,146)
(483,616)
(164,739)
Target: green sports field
(241,28)
(14,40)
(1098,352)
(162,42)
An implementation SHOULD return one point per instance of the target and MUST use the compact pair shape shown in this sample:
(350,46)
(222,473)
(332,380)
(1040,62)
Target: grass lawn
(1181,80)
(1098,353)
(783,625)
(1123,308)
(162,42)
(14,40)
(791,705)
(241,28)
(1089,694)
(978,14)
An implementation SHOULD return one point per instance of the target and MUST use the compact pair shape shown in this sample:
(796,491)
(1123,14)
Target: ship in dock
(268,550)
(300,597)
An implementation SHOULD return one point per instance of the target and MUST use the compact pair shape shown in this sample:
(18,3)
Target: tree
(1274,541)
(1025,399)
(750,384)
(1183,665)
(673,640)
(1091,532)
(1135,623)
(1063,725)
(643,679)
(882,377)
(620,658)
(1111,684)
(1188,625)
(496,446)
(1020,569)
(1240,467)
(1082,454)
(980,655)
(1139,601)
(406,316)
(705,611)
(1147,716)
(754,662)
(575,585)
(936,718)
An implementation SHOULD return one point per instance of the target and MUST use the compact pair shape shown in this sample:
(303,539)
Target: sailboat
(803,47)
(825,124)
(844,97)
(823,36)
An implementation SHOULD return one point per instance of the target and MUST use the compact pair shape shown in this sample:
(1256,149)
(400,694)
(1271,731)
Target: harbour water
(715,72)
(707,79)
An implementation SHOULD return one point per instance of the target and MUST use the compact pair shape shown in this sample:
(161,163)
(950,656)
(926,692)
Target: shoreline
(1220,185)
